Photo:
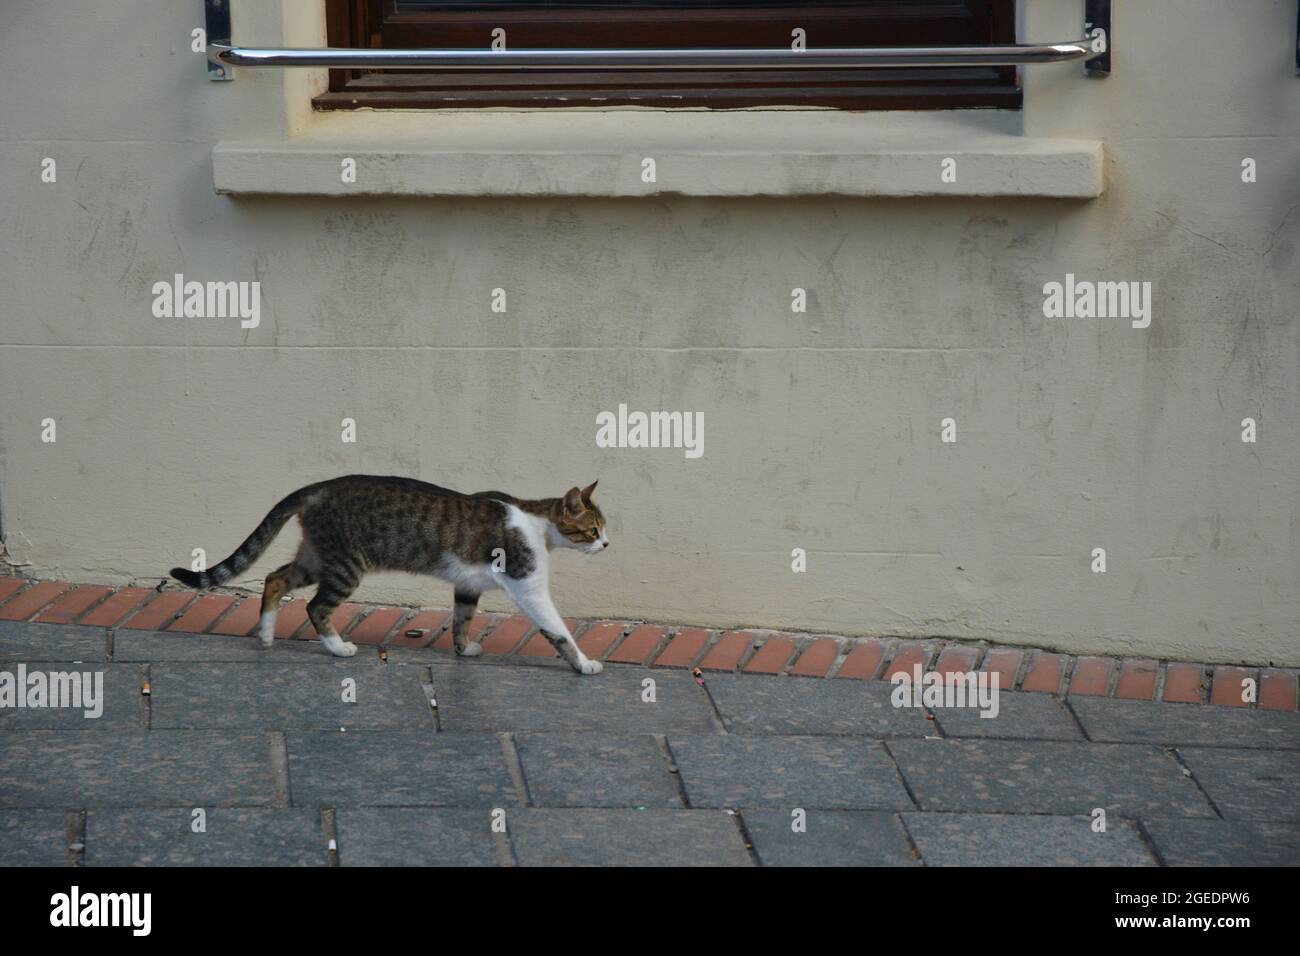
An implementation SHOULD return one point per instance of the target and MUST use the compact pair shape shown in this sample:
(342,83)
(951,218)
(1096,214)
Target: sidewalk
(607,770)
(631,642)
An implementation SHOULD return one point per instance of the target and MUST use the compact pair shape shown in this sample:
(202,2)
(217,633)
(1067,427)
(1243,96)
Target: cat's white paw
(592,667)
(266,641)
(337,646)
(472,649)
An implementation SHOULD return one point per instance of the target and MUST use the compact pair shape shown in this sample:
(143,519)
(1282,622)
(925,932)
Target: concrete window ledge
(696,153)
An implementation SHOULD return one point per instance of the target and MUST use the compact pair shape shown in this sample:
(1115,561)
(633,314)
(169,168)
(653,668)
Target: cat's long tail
(252,547)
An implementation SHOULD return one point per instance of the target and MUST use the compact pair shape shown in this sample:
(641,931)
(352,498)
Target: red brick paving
(111,612)
(1091,677)
(505,637)
(863,661)
(1277,689)
(198,617)
(1005,662)
(155,615)
(817,658)
(241,619)
(374,627)
(24,605)
(185,611)
(600,637)
(906,658)
(684,647)
(429,622)
(536,646)
(772,657)
(1184,683)
(1045,672)
(727,653)
(11,586)
(73,604)
(1137,679)
(956,659)
(637,647)
(1229,686)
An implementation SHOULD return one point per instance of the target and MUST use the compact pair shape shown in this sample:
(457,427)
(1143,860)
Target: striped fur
(253,545)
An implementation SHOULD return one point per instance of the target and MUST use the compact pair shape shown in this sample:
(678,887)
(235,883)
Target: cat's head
(579,524)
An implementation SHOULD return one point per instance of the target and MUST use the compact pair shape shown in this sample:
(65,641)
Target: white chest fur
(488,576)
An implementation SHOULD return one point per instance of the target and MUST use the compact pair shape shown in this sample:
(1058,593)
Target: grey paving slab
(1019,717)
(33,838)
(162,646)
(20,641)
(971,839)
(1224,842)
(549,837)
(256,697)
(231,837)
(111,690)
(154,768)
(434,656)
(586,770)
(835,773)
(1045,776)
(415,836)
(552,699)
(830,838)
(1014,789)
(1157,722)
(398,768)
(751,704)
(1248,784)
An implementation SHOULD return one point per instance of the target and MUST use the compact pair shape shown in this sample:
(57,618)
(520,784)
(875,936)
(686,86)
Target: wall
(821,429)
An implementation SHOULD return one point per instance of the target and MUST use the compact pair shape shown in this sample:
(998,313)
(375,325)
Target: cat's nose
(605,545)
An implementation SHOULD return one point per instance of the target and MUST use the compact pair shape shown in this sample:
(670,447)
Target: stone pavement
(433,760)
(234,612)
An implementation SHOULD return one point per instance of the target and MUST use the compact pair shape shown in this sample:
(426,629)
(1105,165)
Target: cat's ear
(573,502)
(586,492)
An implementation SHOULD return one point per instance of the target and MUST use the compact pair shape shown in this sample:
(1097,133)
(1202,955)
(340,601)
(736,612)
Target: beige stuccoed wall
(821,430)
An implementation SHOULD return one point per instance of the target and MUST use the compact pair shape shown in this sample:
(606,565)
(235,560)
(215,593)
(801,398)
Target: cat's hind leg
(534,599)
(279,582)
(336,585)
(466,604)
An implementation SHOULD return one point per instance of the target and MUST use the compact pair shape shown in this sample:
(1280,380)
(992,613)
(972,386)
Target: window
(659,24)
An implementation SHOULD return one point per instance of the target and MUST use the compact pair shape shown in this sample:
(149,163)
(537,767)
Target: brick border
(633,642)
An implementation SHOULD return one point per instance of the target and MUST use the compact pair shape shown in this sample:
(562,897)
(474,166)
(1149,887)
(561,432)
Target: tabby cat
(478,542)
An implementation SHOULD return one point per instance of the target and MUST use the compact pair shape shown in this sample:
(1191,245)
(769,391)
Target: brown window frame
(380,23)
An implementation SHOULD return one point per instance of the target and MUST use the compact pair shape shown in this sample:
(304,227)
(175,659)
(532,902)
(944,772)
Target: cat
(361,523)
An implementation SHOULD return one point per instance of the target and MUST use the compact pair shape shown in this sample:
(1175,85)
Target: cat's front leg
(466,604)
(568,649)
(534,599)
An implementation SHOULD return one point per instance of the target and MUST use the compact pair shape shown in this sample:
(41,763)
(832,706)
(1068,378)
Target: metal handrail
(842,58)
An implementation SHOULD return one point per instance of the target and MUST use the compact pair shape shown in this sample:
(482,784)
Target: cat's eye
(593,534)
